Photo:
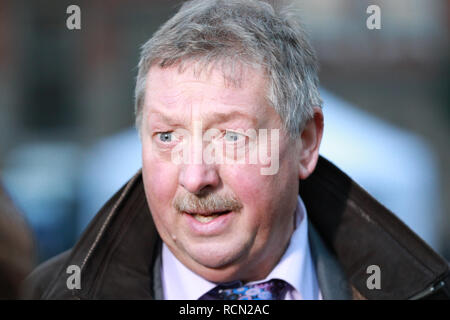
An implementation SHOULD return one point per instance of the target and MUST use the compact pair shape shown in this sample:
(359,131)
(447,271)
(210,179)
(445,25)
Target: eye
(232,136)
(165,137)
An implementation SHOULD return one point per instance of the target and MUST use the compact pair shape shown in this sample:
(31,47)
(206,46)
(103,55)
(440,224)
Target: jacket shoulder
(36,283)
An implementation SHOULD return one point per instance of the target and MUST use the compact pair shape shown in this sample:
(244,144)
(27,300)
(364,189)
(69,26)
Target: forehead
(243,88)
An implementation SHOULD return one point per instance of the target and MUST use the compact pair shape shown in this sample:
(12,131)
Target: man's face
(224,221)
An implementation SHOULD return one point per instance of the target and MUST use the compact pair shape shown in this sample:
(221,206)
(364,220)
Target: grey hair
(250,32)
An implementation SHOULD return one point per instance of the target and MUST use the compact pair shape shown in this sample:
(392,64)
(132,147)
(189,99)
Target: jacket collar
(118,250)
(361,232)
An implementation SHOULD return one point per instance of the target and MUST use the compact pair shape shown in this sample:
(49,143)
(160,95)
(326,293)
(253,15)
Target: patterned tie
(274,289)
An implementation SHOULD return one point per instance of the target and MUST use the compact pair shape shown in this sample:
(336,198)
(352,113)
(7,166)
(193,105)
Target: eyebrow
(223,117)
(164,118)
(216,117)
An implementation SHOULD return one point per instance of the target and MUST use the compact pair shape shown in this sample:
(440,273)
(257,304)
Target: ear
(311,137)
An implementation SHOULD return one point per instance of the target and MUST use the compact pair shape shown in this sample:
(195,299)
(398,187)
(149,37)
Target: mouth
(205,217)
(209,223)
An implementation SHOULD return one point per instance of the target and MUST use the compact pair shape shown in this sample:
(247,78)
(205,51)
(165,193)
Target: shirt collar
(294,267)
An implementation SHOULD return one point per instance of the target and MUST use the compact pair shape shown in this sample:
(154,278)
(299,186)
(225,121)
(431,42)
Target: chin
(213,259)
(217,258)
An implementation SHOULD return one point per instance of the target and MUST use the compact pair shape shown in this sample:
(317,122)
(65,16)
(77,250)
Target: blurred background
(66,106)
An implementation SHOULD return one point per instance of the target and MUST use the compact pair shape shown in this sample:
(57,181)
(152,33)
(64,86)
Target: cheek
(252,189)
(263,196)
(241,179)
(160,180)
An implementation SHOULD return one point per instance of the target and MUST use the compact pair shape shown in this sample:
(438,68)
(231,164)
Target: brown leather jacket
(119,253)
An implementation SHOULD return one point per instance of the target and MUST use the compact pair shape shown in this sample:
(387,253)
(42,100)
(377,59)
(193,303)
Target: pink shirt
(295,267)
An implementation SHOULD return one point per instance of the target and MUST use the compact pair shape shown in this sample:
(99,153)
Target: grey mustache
(206,203)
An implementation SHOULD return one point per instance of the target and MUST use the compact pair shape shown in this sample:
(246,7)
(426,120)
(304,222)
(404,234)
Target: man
(233,200)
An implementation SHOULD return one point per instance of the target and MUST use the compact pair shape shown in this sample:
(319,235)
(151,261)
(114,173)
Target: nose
(196,178)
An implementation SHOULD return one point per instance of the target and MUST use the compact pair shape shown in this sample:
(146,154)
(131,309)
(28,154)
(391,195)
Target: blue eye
(165,136)
(233,136)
